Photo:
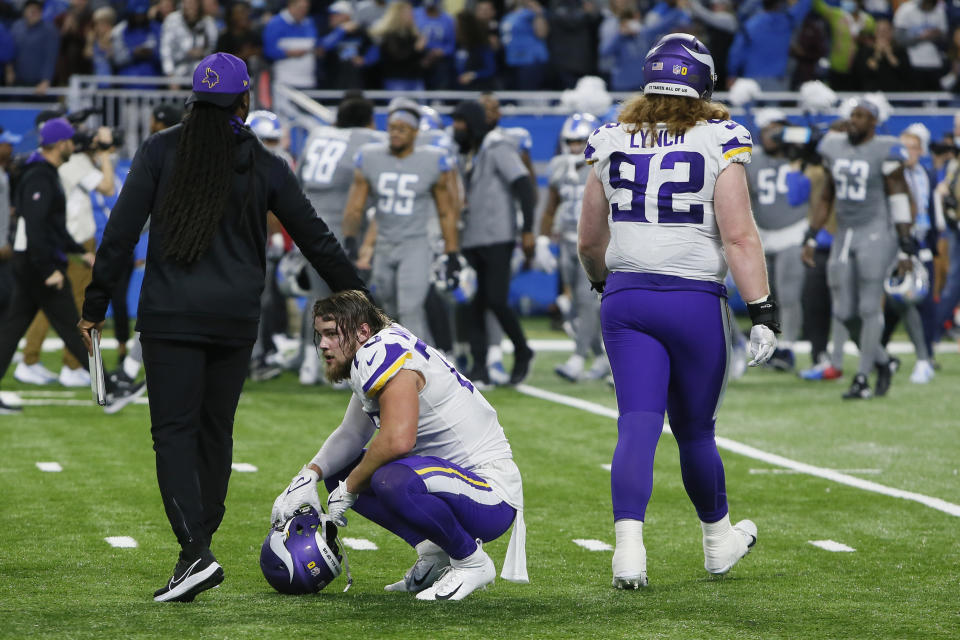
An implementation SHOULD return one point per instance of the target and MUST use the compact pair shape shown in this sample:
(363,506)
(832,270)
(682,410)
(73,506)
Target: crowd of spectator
(886,45)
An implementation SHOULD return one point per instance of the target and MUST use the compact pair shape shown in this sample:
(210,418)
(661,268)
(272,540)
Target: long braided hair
(196,196)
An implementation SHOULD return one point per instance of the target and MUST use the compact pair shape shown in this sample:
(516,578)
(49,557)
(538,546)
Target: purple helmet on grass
(679,65)
(303,556)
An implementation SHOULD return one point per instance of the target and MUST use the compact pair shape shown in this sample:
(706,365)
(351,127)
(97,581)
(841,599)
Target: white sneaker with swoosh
(462,577)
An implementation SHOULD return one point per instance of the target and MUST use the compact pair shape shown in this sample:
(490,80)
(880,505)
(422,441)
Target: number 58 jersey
(455,421)
(660,189)
(325,168)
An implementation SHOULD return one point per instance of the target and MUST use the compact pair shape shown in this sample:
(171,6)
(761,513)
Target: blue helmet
(679,65)
(579,126)
(302,555)
(265,124)
(430,119)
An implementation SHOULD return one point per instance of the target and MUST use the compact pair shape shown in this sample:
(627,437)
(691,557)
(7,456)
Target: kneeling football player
(438,471)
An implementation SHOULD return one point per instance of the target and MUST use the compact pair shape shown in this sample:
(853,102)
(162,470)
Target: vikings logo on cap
(211,79)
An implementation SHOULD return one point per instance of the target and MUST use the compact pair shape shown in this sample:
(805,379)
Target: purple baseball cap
(55,130)
(219,79)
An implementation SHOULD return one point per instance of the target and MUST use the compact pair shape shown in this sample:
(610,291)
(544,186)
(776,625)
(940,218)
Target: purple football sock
(631,474)
(703,478)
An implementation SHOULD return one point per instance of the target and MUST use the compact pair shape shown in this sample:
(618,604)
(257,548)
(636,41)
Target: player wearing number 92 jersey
(665,209)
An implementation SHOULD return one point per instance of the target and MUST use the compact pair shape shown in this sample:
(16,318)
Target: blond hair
(678,113)
(393,21)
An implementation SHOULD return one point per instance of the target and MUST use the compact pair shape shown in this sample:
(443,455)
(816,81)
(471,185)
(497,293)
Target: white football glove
(543,258)
(339,501)
(302,490)
(763,342)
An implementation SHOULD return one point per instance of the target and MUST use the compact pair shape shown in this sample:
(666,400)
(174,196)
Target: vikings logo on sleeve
(377,362)
(736,144)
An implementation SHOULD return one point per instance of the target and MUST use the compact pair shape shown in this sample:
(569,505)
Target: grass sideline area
(61,579)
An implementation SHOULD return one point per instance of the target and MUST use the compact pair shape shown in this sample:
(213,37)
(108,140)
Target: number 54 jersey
(455,423)
(660,189)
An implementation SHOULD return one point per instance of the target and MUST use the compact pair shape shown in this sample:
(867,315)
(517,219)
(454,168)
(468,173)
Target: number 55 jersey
(660,187)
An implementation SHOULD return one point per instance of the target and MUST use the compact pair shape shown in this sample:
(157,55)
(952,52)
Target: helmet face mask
(679,65)
(293,279)
(303,556)
(577,128)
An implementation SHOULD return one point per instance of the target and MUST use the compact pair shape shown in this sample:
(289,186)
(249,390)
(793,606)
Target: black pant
(118,298)
(816,306)
(439,320)
(6,285)
(30,295)
(492,264)
(194,389)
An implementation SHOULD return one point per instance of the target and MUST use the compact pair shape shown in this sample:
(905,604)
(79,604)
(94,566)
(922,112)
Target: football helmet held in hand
(912,288)
(461,289)
(303,555)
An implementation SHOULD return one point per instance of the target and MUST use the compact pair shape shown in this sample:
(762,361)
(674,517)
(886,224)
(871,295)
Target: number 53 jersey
(455,423)
(660,189)
(858,175)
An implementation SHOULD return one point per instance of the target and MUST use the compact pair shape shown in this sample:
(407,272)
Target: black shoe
(479,377)
(885,376)
(122,394)
(264,372)
(782,360)
(9,409)
(120,377)
(521,366)
(190,577)
(859,389)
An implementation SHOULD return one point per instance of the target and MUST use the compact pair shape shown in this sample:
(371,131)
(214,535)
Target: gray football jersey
(858,175)
(568,175)
(402,188)
(767,178)
(326,168)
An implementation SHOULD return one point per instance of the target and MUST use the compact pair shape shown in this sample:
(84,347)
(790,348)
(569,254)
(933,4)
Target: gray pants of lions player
(786,273)
(401,278)
(586,304)
(860,259)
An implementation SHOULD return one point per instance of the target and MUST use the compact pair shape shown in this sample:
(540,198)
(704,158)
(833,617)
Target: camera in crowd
(800,143)
(85,139)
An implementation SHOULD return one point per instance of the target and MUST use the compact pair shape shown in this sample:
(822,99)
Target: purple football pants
(668,340)
(428,498)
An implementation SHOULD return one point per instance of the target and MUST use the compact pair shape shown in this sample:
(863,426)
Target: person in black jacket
(41,244)
(207,185)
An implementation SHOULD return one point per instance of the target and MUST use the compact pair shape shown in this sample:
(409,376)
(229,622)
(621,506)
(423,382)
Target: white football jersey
(456,422)
(660,189)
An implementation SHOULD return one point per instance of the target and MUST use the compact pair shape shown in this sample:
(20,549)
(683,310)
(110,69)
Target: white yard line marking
(44,393)
(592,545)
(795,471)
(55,402)
(360,544)
(50,467)
(566,345)
(757,454)
(831,545)
(606,467)
(243,467)
(121,542)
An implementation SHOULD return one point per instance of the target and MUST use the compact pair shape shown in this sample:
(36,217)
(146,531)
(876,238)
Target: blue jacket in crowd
(37,46)
(521,46)
(281,27)
(762,46)
(439,31)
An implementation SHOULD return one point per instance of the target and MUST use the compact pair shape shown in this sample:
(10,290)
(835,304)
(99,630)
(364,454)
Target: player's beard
(855,137)
(337,371)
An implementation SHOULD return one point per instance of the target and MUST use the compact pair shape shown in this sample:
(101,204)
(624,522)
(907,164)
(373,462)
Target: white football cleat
(572,369)
(34,373)
(310,368)
(462,577)
(719,555)
(922,372)
(423,574)
(74,377)
(630,566)
(600,368)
